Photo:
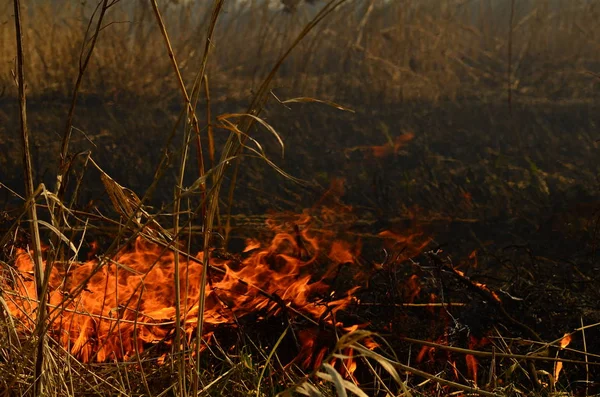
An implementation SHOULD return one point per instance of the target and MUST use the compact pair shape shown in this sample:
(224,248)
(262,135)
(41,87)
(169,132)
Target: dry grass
(365,51)
(392,51)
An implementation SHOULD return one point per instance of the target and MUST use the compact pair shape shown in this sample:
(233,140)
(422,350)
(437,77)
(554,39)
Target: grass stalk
(177,204)
(190,108)
(84,61)
(178,350)
(233,147)
(379,51)
(39,271)
(585,350)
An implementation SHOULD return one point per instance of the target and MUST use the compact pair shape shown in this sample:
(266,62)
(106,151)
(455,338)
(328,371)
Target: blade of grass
(233,148)
(266,365)
(84,61)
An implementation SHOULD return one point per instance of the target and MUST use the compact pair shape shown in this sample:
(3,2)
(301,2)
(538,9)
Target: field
(369,197)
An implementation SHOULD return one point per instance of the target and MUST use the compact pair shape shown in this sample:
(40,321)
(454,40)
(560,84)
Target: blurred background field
(369,53)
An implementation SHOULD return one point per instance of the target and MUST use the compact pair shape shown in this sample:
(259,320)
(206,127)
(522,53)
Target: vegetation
(375,51)
(382,137)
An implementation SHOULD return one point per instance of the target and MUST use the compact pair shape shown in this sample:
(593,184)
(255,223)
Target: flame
(381,151)
(558,366)
(405,245)
(317,343)
(128,301)
(313,349)
(430,351)
(474,258)
(413,288)
(566,340)
(425,350)
(479,285)
(429,354)
(113,308)
(251,245)
(471,361)
(349,364)
(472,367)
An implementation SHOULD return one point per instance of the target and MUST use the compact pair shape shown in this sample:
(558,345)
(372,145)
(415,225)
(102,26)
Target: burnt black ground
(520,186)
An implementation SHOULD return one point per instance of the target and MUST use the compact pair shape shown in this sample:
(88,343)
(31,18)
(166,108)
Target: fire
(558,366)
(430,354)
(405,246)
(565,341)
(317,343)
(472,363)
(413,288)
(128,301)
(473,257)
(114,308)
(390,148)
(481,286)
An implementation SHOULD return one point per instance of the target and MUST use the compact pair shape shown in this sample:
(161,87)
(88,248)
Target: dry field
(345,197)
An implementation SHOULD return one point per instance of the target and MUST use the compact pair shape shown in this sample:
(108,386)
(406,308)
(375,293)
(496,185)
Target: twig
(211,138)
(491,354)
(487,295)
(587,366)
(192,116)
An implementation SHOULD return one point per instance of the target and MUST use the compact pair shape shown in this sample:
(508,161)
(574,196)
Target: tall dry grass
(371,49)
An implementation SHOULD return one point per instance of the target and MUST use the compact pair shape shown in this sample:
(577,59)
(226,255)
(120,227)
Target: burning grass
(306,307)
(325,302)
(101,308)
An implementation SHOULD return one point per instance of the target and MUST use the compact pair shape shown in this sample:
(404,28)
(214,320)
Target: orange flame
(413,288)
(473,257)
(128,301)
(386,150)
(558,366)
(472,363)
(405,245)
(566,340)
(317,343)
(481,286)
(113,308)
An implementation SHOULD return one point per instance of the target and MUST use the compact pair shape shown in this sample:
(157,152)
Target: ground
(507,193)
